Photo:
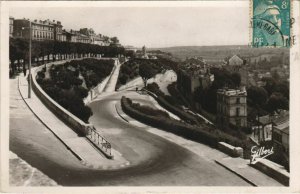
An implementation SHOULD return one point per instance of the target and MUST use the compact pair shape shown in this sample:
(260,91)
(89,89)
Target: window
(238,100)
(237,111)
(238,122)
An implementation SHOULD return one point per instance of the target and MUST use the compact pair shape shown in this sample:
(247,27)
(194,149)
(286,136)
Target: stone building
(193,74)
(58,32)
(232,107)
(94,38)
(70,35)
(41,29)
(264,126)
(280,137)
(237,65)
(262,129)
(82,38)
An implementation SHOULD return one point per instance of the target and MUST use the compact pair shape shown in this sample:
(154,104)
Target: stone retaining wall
(273,170)
(230,150)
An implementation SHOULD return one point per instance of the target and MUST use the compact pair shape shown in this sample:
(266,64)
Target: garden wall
(82,128)
(62,113)
(230,150)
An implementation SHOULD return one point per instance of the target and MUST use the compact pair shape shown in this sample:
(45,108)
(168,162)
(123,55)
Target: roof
(266,119)
(235,60)
(282,117)
(283,127)
(232,92)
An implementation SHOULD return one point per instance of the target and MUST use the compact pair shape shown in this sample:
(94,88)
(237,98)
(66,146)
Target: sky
(154,27)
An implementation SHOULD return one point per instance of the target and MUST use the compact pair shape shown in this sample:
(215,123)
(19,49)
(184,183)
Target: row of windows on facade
(223,99)
(39,34)
(39,27)
(223,110)
(47,28)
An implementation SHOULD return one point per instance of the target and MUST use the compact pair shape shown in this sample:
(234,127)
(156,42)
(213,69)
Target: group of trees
(207,98)
(270,98)
(68,84)
(19,50)
(146,68)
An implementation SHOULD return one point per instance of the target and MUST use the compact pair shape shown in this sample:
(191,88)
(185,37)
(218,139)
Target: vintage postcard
(150,97)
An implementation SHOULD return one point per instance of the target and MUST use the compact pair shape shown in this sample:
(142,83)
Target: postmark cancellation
(271,23)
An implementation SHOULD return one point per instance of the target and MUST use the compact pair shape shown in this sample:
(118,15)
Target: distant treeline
(220,52)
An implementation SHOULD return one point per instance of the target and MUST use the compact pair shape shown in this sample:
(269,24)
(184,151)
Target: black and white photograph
(149,94)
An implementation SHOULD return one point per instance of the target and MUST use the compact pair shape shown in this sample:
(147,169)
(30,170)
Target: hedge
(189,131)
(203,134)
(177,111)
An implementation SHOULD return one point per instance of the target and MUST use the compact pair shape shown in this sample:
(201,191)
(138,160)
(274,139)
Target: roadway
(154,161)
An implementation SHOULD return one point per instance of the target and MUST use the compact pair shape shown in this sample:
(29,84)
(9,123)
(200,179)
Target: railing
(99,141)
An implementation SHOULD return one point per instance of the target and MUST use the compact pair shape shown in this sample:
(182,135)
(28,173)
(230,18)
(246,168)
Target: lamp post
(29,66)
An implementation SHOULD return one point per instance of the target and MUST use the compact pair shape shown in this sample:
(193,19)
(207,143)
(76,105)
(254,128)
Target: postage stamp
(271,23)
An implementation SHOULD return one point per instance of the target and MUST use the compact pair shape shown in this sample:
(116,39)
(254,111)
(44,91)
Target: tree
(115,40)
(146,71)
(236,79)
(283,88)
(257,95)
(277,101)
(270,85)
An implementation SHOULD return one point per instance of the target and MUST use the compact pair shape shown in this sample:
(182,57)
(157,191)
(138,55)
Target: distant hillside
(218,53)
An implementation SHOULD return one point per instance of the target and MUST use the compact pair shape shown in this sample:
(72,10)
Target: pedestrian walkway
(111,84)
(23,174)
(237,166)
(242,168)
(79,146)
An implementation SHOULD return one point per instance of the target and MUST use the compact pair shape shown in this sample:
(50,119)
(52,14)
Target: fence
(99,141)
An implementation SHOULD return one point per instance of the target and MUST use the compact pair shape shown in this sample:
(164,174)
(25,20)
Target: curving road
(154,161)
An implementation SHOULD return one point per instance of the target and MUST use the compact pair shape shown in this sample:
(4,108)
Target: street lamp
(29,67)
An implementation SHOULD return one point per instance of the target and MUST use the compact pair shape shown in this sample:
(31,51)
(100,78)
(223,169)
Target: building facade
(194,74)
(280,137)
(237,65)
(232,107)
(53,30)
(70,36)
(40,30)
(58,32)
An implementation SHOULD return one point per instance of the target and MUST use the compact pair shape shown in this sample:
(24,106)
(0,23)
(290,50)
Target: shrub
(65,86)
(81,91)
(177,111)
(150,111)
(41,74)
(153,87)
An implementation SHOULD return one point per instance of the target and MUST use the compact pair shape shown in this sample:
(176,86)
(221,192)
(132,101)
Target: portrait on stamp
(271,23)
